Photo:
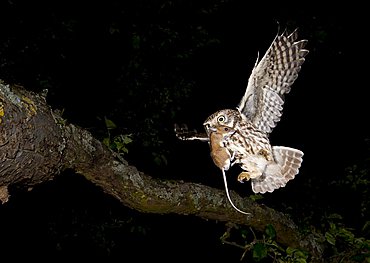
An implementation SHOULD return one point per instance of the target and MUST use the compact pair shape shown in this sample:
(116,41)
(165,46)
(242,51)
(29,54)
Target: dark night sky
(325,114)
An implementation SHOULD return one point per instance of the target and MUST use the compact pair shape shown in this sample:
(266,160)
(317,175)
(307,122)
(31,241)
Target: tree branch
(44,143)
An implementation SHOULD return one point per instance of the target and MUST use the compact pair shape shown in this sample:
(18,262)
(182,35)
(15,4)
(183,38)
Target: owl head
(224,118)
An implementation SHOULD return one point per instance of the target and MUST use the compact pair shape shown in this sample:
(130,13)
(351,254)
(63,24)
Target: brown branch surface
(36,145)
(31,142)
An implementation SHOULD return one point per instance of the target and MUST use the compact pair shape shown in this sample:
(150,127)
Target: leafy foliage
(344,246)
(262,247)
(117,143)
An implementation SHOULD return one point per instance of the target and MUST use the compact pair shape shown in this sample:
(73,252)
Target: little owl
(241,136)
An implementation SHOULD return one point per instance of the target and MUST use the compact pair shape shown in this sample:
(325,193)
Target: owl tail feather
(276,175)
(228,195)
(289,160)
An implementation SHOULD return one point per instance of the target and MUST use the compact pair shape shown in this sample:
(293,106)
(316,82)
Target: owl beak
(210,129)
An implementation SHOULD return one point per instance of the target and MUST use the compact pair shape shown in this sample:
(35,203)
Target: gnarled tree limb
(36,145)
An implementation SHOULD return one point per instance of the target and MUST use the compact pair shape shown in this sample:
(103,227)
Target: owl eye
(221,118)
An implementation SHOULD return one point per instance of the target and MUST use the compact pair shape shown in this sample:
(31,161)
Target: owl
(245,141)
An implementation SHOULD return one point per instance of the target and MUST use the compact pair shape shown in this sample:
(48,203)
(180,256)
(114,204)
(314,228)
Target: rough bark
(36,145)
(31,142)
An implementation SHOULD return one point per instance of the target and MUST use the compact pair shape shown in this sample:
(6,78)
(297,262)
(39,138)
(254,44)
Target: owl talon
(243,176)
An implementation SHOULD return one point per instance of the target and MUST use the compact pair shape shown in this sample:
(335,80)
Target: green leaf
(106,141)
(119,145)
(259,251)
(330,238)
(299,254)
(109,124)
(270,231)
(346,234)
(126,139)
(290,250)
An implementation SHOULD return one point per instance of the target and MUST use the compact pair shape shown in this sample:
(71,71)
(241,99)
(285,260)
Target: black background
(83,63)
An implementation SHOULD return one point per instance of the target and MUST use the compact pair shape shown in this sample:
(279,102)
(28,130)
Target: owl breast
(251,149)
(248,140)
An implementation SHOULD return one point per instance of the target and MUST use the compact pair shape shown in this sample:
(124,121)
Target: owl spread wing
(271,78)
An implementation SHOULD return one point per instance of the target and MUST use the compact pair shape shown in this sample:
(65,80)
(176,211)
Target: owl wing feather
(277,175)
(271,78)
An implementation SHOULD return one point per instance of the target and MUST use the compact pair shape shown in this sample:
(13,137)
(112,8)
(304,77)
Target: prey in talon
(221,156)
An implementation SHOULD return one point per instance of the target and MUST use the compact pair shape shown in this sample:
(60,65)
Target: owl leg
(245,176)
